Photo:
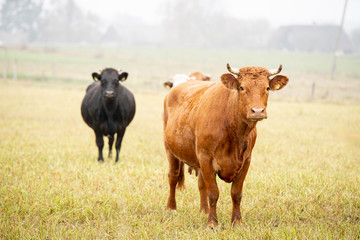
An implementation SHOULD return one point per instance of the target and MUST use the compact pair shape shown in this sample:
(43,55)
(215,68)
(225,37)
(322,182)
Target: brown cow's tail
(181,178)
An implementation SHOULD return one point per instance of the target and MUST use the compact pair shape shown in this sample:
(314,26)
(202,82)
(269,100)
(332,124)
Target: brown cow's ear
(168,85)
(278,82)
(123,76)
(229,81)
(96,76)
(207,78)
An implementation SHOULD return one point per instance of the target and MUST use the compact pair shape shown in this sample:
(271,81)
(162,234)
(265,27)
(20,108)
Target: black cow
(108,108)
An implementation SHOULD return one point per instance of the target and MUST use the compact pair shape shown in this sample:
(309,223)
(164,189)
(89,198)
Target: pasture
(303,182)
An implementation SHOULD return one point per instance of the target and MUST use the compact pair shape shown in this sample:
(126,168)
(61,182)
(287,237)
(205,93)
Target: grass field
(149,67)
(303,181)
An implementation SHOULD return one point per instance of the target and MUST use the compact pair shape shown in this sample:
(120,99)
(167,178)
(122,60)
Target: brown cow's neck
(237,123)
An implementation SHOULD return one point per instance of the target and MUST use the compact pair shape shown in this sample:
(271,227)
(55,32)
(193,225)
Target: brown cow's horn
(233,70)
(275,71)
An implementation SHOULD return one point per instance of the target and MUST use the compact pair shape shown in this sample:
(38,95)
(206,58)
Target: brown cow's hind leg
(174,173)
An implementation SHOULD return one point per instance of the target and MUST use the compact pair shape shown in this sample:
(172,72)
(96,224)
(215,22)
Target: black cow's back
(95,114)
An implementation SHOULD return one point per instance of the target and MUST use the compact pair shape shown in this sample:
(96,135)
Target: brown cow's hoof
(172,211)
(171,204)
(237,223)
(212,225)
(204,210)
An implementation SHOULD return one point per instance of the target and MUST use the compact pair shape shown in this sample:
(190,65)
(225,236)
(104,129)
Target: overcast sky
(277,12)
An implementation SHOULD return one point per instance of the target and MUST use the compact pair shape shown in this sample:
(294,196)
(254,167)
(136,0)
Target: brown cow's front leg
(236,194)
(204,206)
(209,176)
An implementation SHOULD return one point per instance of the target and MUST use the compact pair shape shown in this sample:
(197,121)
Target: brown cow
(181,78)
(212,127)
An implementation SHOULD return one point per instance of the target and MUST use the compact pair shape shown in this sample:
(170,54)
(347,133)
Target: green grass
(303,181)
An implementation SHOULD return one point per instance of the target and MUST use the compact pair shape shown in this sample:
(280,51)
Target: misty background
(309,26)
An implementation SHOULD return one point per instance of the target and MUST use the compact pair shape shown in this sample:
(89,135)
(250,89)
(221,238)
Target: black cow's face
(109,79)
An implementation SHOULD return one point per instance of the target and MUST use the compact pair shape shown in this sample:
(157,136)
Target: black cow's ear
(96,76)
(229,81)
(123,76)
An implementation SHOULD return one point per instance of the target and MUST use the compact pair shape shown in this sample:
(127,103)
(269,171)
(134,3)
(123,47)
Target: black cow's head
(109,79)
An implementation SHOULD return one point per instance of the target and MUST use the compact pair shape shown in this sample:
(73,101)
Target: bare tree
(21,16)
(67,23)
(187,22)
(205,23)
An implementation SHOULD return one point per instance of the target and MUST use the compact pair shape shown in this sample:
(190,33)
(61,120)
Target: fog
(277,12)
(259,24)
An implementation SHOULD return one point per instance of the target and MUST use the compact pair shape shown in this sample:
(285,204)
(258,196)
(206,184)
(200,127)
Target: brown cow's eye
(268,89)
(241,88)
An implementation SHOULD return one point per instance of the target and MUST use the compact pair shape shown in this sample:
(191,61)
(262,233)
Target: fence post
(15,70)
(313,91)
(6,62)
(53,69)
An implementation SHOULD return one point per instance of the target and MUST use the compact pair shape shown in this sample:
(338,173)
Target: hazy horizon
(277,12)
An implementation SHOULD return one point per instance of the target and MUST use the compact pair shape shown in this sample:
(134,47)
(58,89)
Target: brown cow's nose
(258,110)
(257,114)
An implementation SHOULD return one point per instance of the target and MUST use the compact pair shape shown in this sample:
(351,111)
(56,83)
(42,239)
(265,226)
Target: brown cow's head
(200,76)
(253,85)
(168,84)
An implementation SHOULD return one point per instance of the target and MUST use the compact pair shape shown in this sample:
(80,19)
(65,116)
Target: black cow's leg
(119,138)
(100,144)
(111,140)
(236,194)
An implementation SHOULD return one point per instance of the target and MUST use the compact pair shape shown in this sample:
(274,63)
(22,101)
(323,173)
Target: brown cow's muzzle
(257,114)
